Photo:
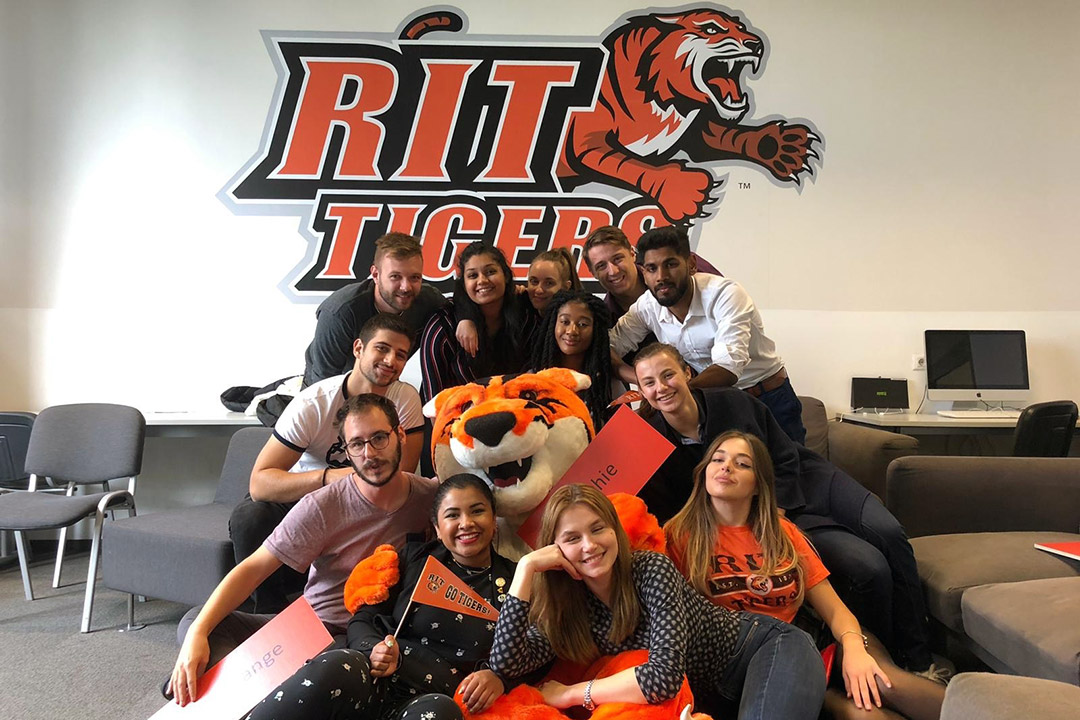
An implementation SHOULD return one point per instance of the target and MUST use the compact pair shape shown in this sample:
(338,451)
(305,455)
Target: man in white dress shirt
(712,321)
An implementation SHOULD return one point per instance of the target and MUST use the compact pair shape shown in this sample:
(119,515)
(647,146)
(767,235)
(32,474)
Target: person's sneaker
(936,673)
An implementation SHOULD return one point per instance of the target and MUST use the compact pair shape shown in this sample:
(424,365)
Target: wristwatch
(589,704)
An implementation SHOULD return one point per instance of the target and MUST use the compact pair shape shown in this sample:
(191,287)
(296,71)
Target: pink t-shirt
(335,527)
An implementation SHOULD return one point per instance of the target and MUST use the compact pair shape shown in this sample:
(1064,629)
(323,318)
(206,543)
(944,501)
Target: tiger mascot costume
(519,433)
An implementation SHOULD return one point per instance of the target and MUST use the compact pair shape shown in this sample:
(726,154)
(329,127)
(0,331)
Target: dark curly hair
(597,365)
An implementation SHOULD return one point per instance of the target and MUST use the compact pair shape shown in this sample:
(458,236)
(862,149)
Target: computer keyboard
(979,414)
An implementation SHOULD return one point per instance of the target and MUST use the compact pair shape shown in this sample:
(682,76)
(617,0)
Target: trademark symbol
(744,186)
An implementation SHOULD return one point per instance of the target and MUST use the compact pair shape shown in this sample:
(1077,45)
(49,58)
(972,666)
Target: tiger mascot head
(520,433)
(695,59)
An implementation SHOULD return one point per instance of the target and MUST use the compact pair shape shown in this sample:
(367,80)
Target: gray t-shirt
(335,527)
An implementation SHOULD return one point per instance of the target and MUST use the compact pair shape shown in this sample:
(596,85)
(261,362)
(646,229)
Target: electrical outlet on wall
(918,362)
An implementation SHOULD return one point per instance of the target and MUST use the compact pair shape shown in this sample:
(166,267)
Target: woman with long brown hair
(731,543)
(584,594)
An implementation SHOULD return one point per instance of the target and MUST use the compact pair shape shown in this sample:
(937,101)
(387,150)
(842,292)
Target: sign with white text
(262,662)
(621,458)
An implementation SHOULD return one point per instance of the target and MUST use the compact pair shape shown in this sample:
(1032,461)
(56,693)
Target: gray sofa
(181,555)
(973,523)
(863,453)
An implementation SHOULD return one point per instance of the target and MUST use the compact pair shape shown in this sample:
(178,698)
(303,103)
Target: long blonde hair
(558,600)
(692,532)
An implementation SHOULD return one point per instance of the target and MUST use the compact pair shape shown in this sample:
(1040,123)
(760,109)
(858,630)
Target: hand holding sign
(384,657)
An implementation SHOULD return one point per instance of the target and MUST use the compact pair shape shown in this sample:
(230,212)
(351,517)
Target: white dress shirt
(722,327)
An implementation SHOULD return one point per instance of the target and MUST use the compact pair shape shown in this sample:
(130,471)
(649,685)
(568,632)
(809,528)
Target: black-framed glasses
(355,447)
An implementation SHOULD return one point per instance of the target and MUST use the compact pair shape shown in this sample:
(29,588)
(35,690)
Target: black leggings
(337,685)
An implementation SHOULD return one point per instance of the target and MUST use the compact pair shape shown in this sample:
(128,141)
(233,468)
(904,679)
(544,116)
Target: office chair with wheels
(1045,429)
(75,445)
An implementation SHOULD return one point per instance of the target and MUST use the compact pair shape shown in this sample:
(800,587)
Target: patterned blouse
(684,633)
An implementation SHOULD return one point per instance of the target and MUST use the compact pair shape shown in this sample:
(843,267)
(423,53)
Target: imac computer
(976,365)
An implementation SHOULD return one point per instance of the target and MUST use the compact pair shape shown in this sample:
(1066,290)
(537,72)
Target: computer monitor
(972,365)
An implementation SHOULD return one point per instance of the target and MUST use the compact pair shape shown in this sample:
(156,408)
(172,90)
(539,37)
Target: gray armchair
(181,555)
(863,453)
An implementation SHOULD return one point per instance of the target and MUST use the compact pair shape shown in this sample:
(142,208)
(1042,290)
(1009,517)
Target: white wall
(945,199)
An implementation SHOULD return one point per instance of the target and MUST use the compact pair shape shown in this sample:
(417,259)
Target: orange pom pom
(641,525)
(370,581)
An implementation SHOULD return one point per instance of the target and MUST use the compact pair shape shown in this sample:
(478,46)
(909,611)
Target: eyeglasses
(378,441)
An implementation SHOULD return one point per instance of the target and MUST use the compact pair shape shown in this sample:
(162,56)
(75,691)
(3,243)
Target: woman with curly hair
(573,334)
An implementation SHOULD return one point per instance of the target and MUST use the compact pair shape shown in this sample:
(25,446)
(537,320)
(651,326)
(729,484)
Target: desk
(212,422)
(940,435)
(913,424)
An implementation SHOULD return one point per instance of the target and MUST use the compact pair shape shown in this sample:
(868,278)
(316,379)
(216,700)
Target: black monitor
(976,365)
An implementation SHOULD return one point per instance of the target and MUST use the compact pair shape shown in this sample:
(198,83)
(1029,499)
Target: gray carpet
(49,670)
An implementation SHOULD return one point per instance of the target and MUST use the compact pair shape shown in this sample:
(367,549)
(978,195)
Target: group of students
(734,498)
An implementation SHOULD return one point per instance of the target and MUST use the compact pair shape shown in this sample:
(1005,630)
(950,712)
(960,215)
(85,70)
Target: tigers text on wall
(523,144)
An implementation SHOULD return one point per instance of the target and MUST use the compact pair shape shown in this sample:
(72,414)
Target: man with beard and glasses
(305,452)
(327,534)
(395,287)
(711,321)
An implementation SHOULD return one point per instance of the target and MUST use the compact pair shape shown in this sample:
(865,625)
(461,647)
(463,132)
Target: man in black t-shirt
(396,286)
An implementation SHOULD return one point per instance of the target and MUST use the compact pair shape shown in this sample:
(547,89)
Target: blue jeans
(776,672)
(786,408)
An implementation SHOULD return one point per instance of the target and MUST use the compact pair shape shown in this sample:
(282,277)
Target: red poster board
(236,684)
(621,458)
(1070,550)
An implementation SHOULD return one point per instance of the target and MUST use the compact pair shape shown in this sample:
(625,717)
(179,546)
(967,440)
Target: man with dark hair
(713,323)
(305,451)
(396,287)
(329,531)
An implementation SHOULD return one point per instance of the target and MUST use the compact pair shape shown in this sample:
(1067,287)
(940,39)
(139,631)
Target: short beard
(392,301)
(680,293)
(396,462)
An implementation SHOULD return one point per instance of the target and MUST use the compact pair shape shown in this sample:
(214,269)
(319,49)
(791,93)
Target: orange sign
(443,589)
(621,458)
(245,676)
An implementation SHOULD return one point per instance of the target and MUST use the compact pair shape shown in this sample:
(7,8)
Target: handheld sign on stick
(620,459)
(245,676)
(443,589)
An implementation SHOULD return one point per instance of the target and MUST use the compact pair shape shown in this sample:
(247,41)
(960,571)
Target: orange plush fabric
(526,703)
(641,526)
(371,579)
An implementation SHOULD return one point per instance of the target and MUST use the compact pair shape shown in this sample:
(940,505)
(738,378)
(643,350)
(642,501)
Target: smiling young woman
(447,652)
(484,292)
(574,334)
(732,515)
(584,594)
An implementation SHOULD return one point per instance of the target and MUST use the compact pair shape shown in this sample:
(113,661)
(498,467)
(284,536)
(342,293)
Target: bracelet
(865,642)
(325,470)
(589,704)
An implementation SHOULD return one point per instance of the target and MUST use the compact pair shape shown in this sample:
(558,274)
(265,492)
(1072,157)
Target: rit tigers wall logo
(524,145)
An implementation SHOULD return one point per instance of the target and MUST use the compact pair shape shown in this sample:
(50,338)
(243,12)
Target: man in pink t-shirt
(328,531)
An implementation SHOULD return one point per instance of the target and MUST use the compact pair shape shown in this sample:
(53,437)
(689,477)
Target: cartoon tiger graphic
(520,433)
(673,84)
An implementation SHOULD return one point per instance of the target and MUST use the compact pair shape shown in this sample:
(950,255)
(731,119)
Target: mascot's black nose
(490,429)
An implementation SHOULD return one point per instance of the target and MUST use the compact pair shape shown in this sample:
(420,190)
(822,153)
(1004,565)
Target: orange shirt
(735,584)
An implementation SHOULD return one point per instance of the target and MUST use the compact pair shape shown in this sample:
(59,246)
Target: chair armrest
(865,453)
(939,495)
